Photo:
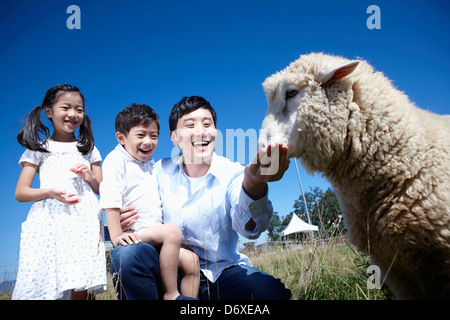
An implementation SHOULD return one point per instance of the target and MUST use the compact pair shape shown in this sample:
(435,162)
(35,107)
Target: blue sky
(156,52)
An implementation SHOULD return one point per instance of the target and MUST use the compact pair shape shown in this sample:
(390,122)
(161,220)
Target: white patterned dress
(61,246)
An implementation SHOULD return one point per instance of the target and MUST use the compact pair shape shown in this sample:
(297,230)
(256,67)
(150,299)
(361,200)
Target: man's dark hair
(187,105)
(135,115)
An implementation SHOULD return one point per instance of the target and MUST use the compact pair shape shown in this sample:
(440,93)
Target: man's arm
(269,165)
(128,216)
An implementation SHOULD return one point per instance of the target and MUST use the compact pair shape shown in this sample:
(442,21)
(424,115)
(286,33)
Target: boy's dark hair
(187,105)
(28,135)
(135,115)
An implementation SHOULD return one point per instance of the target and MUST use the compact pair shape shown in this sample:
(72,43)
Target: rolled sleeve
(259,210)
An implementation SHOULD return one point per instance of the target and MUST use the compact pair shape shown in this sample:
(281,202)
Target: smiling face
(66,115)
(196,136)
(141,141)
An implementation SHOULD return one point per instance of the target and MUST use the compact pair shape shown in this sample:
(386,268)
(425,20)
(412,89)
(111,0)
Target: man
(212,200)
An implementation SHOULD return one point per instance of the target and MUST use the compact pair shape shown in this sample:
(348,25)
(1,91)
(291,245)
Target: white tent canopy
(297,225)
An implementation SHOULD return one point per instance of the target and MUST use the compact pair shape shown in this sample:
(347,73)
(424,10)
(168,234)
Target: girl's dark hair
(28,136)
(133,116)
(187,105)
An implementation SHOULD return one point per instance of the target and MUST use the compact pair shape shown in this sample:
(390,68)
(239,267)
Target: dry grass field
(331,271)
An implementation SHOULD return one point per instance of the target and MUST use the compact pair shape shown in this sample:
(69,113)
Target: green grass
(333,271)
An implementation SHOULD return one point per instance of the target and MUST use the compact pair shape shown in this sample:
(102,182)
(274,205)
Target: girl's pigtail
(86,139)
(28,136)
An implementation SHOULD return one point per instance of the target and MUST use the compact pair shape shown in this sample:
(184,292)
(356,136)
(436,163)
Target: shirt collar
(130,158)
(215,169)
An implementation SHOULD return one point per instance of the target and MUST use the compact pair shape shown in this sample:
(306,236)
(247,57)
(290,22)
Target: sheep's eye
(291,93)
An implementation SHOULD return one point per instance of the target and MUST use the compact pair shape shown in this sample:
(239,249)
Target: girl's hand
(64,197)
(126,238)
(83,171)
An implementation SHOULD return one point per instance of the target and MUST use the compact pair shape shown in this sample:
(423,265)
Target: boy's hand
(82,171)
(126,238)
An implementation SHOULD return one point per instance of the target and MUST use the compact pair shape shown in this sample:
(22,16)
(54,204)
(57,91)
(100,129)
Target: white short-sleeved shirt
(127,181)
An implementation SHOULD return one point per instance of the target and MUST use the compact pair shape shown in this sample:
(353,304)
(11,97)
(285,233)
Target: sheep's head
(308,107)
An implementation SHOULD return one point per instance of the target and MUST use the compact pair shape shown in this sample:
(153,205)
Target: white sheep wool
(388,160)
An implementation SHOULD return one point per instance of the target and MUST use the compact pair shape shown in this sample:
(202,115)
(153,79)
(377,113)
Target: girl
(62,252)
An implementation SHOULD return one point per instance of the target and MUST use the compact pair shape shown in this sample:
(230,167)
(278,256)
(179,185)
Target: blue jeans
(137,277)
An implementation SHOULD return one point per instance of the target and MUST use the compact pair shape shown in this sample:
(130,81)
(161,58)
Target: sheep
(388,161)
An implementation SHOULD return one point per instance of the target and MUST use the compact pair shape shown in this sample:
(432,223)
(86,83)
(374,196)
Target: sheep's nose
(261,144)
(264,138)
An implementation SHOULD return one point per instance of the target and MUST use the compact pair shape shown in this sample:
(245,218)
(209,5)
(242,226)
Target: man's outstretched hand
(269,165)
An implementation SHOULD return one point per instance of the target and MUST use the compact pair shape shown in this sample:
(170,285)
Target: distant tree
(277,225)
(274,228)
(324,211)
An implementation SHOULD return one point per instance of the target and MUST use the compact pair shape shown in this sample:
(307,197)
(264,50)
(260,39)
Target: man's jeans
(137,277)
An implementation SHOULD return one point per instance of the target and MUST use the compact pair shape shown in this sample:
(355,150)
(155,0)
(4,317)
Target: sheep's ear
(334,74)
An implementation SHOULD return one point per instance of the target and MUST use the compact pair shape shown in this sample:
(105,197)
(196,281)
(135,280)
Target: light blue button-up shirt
(211,217)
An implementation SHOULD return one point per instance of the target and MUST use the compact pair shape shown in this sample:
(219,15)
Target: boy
(213,200)
(129,180)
